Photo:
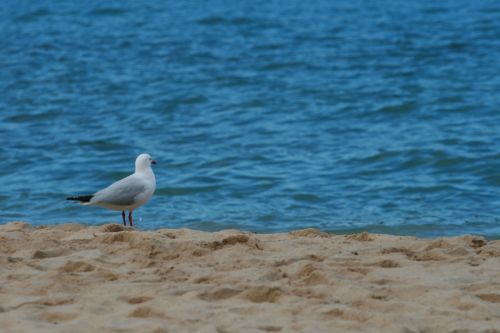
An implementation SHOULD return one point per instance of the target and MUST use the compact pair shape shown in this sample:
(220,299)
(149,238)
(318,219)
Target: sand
(72,278)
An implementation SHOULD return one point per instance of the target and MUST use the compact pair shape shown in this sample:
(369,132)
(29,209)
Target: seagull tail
(84,199)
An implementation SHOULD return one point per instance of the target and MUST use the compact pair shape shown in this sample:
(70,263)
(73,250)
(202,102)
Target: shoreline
(110,278)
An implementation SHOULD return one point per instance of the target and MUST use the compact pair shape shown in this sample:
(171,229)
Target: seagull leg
(123,217)
(130,218)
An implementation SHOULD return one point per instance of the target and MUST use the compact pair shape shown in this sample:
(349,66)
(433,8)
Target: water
(263,115)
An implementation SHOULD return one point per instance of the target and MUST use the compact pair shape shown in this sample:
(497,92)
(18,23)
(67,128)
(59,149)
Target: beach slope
(72,278)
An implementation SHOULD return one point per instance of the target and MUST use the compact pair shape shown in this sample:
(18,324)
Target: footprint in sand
(387,263)
(219,294)
(52,253)
(493,298)
(310,275)
(57,317)
(427,256)
(77,266)
(346,314)
(402,250)
(261,294)
(45,302)
(146,312)
(228,241)
(136,299)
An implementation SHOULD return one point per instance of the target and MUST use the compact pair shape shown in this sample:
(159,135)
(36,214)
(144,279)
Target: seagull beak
(153,162)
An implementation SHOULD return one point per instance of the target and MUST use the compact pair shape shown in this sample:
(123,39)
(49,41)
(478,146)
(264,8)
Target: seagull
(128,193)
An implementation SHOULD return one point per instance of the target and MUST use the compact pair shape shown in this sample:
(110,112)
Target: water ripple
(264,116)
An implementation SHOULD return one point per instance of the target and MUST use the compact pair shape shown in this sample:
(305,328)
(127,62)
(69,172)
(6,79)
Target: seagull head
(143,162)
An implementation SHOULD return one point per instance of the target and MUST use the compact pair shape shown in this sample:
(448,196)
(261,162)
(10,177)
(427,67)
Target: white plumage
(128,193)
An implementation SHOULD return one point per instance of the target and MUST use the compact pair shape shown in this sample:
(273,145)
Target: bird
(128,193)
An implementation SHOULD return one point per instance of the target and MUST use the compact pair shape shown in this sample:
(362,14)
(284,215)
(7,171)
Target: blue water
(263,115)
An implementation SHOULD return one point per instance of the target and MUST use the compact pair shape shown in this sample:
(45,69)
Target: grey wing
(121,193)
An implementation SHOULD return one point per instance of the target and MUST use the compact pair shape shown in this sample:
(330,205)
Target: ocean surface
(263,115)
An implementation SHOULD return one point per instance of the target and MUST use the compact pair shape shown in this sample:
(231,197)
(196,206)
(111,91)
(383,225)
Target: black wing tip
(81,198)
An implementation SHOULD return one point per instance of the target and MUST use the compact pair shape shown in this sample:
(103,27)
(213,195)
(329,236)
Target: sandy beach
(72,278)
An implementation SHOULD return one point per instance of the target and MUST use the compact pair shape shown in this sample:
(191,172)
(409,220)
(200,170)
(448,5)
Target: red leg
(130,218)
(123,217)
